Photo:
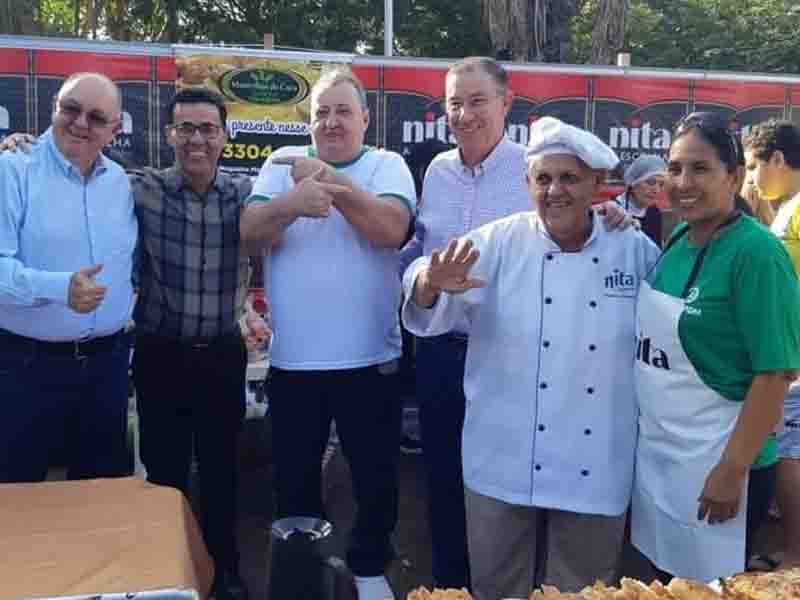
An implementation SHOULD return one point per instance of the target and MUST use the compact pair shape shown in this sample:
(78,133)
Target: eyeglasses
(716,129)
(72,110)
(186,130)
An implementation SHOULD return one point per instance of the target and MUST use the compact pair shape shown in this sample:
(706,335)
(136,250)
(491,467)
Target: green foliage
(429,28)
(751,35)
(743,35)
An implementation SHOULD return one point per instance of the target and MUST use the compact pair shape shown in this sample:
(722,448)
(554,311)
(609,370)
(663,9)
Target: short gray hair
(488,65)
(340,75)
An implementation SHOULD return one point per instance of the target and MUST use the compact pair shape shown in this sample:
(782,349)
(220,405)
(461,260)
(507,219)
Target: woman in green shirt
(717,344)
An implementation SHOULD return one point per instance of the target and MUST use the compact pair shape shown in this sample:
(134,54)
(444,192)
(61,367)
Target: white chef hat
(551,136)
(644,167)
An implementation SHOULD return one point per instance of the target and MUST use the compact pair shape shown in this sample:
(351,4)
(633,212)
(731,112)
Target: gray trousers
(513,549)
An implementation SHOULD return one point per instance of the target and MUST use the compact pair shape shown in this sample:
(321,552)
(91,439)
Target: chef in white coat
(550,429)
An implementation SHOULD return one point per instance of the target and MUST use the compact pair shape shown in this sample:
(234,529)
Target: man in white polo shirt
(332,217)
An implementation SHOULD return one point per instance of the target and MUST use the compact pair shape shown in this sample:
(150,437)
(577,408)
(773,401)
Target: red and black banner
(15,109)
(634,114)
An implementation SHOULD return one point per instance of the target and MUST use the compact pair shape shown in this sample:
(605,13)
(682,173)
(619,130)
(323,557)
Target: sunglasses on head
(715,128)
(72,110)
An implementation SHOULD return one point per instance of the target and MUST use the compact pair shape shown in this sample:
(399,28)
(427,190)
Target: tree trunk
(77,18)
(172,20)
(91,18)
(608,33)
(531,30)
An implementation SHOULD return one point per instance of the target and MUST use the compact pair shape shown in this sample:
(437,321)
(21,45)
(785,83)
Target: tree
(531,30)
(744,35)
(608,30)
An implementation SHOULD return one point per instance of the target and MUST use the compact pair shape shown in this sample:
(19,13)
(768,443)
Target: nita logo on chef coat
(620,281)
(650,354)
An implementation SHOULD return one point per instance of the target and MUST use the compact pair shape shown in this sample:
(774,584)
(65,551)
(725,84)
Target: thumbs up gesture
(85,294)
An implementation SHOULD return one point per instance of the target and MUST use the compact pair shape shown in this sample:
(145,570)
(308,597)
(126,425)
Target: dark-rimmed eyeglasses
(72,110)
(715,127)
(186,130)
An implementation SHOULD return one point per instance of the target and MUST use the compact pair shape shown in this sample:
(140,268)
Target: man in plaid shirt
(190,362)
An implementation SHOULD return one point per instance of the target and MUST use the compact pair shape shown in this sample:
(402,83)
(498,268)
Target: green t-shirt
(735,324)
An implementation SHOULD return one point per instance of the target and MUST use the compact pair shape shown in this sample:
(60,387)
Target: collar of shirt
(175,181)
(494,158)
(99,167)
(552,245)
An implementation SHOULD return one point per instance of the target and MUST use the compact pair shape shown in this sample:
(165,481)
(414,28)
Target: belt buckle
(77,353)
(200,346)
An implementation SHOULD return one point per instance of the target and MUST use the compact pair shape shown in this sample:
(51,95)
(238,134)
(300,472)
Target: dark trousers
(760,492)
(365,404)
(51,402)
(440,389)
(192,398)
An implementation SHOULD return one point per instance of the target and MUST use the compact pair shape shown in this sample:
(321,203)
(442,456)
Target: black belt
(189,343)
(75,348)
(454,338)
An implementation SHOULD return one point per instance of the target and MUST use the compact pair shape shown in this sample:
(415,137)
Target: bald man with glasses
(190,273)
(67,238)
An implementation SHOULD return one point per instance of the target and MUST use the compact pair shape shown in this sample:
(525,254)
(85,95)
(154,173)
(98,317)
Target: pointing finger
(318,174)
(334,188)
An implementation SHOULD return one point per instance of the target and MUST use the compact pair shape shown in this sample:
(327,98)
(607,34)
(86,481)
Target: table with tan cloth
(65,538)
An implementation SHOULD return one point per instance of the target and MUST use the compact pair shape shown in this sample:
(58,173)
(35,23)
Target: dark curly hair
(767,137)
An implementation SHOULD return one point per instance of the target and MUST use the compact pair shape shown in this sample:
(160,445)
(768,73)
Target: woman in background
(644,181)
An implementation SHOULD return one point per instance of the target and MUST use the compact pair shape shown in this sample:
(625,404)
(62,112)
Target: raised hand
(448,271)
(85,294)
(316,196)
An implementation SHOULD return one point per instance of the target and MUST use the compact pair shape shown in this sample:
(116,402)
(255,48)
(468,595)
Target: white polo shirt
(335,297)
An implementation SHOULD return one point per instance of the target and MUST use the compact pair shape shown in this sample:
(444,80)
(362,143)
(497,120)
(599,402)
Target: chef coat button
(543,385)
(538,467)
(587,432)
(590,390)
(548,300)
(585,472)
(595,260)
(546,344)
(592,347)
(549,257)
(541,428)
(593,304)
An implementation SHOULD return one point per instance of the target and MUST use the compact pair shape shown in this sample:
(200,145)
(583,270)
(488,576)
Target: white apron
(683,428)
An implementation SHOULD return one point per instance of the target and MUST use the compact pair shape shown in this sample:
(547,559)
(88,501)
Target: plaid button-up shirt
(189,269)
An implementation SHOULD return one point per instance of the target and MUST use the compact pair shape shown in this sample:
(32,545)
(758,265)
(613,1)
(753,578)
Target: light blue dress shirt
(54,222)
